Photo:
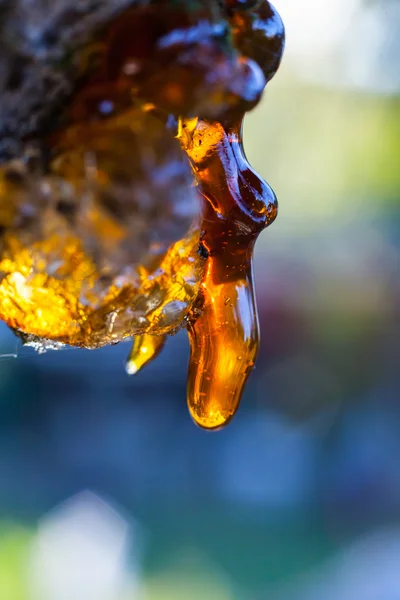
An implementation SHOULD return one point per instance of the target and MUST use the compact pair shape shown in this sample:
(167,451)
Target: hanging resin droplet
(145,349)
(223,332)
(238,205)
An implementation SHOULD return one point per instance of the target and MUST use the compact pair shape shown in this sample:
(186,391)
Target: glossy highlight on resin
(145,218)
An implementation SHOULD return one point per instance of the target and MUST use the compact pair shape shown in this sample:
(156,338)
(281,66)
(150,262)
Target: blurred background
(107,489)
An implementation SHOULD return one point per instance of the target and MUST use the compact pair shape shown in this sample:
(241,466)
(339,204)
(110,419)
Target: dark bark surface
(38,40)
(197,58)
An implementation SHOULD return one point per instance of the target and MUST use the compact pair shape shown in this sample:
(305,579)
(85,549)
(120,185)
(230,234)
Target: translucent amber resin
(79,262)
(223,332)
(144,217)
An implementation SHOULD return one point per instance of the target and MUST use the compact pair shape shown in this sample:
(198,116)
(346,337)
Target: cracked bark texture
(39,40)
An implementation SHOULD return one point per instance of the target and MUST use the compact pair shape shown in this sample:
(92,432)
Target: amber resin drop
(144,217)
(223,332)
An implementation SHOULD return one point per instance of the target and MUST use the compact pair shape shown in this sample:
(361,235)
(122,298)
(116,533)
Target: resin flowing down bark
(134,212)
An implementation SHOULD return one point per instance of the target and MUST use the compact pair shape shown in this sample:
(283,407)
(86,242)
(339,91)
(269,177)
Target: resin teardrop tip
(144,350)
(212,421)
(131,367)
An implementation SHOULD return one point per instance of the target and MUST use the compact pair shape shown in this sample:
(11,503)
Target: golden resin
(53,284)
(224,334)
(48,308)
(74,277)
(145,349)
